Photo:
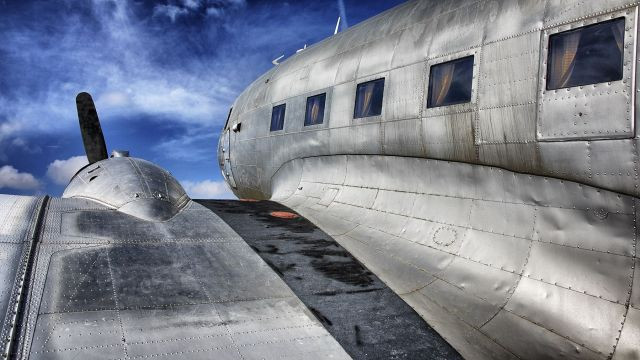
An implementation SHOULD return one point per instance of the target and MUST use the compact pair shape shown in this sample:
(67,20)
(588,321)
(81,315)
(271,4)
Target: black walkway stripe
(364,315)
(22,284)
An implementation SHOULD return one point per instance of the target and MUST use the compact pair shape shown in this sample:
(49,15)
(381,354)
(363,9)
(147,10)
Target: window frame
(550,36)
(448,62)
(324,110)
(453,108)
(367,80)
(557,107)
(284,117)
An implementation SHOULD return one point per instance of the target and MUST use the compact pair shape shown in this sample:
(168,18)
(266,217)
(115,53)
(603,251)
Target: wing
(108,285)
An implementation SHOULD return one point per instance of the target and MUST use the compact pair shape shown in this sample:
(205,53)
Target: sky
(163,75)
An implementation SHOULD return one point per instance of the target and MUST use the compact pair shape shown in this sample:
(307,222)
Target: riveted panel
(635,291)
(414,43)
(360,197)
(323,73)
(449,136)
(348,67)
(517,157)
(458,29)
(508,124)
(564,313)
(509,73)
(586,229)
(447,238)
(602,275)
(499,251)
(627,348)
(404,95)
(482,281)
(472,310)
(376,56)
(614,164)
(503,218)
(403,138)
(395,202)
(577,112)
(530,341)
(508,18)
(442,209)
(400,276)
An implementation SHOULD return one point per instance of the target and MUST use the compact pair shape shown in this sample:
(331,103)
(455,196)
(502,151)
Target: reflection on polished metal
(508,222)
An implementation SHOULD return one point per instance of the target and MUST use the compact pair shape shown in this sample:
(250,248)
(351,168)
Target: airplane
(444,180)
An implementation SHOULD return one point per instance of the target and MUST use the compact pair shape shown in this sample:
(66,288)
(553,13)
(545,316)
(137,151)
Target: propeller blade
(92,137)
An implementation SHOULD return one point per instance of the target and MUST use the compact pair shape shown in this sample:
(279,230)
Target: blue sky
(162,73)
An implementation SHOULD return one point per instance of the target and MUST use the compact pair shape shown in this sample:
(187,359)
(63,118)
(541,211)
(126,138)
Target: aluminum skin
(126,266)
(509,223)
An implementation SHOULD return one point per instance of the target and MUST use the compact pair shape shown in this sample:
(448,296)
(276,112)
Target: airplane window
(450,82)
(369,98)
(588,55)
(277,117)
(315,110)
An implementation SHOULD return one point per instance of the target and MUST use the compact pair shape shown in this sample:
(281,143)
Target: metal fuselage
(509,221)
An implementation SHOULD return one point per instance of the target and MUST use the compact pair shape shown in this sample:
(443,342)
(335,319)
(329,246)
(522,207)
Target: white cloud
(12,178)
(170,11)
(207,189)
(61,171)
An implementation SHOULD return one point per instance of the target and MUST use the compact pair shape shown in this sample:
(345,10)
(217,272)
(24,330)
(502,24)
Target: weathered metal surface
(105,284)
(132,186)
(527,246)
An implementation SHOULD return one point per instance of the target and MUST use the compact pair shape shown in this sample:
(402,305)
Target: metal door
(225,145)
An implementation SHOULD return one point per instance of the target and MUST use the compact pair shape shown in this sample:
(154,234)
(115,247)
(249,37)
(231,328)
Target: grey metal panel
(403,278)
(460,28)
(576,113)
(597,332)
(566,10)
(529,341)
(627,347)
(594,273)
(450,136)
(413,45)
(405,92)
(472,344)
(508,124)
(509,73)
(341,111)
(470,309)
(493,285)
(499,251)
(376,56)
(508,17)
(189,287)
(586,229)
(403,138)
(503,218)
(635,289)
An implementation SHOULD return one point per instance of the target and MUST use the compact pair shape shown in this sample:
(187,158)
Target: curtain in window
(563,58)
(367,95)
(618,34)
(442,82)
(315,110)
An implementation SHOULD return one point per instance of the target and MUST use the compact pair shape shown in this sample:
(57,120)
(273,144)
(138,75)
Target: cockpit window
(587,55)
(315,110)
(277,117)
(369,99)
(450,82)
(228,117)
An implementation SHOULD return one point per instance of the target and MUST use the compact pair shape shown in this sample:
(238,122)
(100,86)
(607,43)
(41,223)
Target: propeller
(92,137)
